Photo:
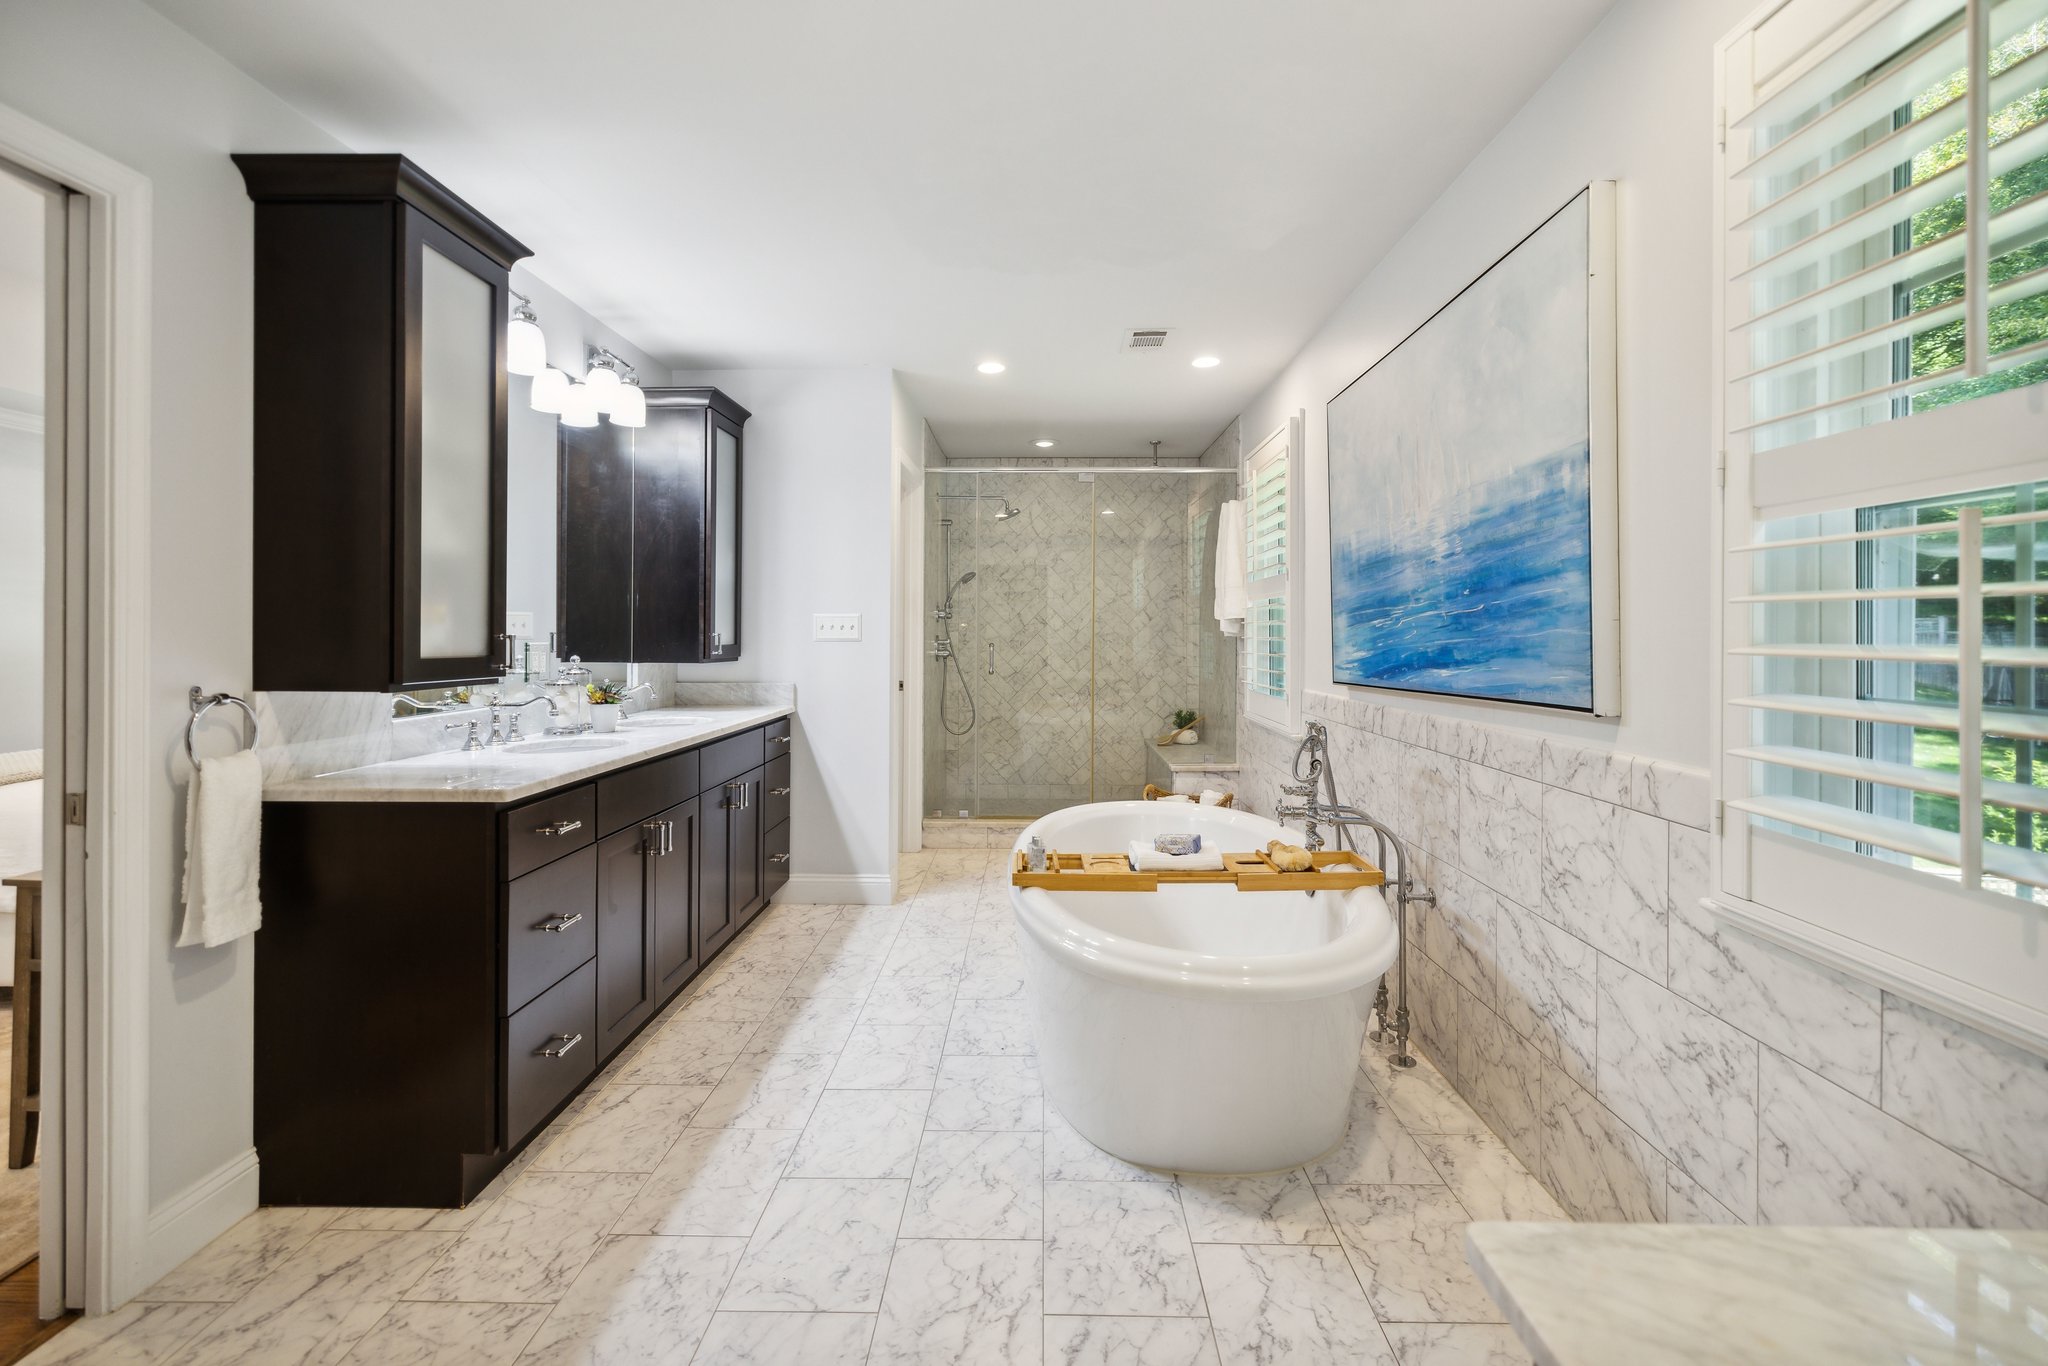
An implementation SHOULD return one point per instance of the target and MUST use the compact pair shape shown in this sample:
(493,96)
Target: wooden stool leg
(25,1072)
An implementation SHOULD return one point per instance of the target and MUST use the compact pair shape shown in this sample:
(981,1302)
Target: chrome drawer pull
(557,924)
(778,792)
(558,828)
(779,739)
(778,858)
(568,1041)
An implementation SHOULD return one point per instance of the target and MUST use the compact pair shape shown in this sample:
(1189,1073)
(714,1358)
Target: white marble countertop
(514,772)
(1580,1294)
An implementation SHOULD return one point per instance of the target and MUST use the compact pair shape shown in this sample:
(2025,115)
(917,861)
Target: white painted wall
(118,77)
(531,446)
(819,505)
(22,320)
(1635,104)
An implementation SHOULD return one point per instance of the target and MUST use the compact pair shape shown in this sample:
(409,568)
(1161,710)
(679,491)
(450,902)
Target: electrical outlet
(519,625)
(835,626)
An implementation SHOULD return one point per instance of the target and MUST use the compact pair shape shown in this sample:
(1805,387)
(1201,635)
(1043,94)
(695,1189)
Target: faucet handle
(469,743)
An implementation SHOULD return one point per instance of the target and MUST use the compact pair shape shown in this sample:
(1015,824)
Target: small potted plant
(1184,727)
(605,697)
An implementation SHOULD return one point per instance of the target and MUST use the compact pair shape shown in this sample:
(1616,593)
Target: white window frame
(1281,713)
(1974,955)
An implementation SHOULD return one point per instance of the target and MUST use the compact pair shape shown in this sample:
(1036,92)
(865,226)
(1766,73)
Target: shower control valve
(942,649)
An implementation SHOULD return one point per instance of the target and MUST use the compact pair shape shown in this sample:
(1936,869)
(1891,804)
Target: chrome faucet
(471,743)
(1312,811)
(647,688)
(512,736)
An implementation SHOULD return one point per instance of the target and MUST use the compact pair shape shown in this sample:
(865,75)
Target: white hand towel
(223,834)
(1146,859)
(1210,796)
(1230,595)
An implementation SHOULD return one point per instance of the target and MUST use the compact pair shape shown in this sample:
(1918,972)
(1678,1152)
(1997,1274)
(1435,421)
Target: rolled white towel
(1210,796)
(1146,859)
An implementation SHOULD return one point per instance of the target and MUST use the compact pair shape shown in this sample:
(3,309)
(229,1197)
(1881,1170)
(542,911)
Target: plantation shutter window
(1268,624)
(1883,779)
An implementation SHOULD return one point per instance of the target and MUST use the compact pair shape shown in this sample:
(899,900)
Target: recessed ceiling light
(1204,362)
(1043,445)
(991,367)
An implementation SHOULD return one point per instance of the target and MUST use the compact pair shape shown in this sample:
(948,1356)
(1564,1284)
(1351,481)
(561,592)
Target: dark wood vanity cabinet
(435,980)
(670,591)
(380,426)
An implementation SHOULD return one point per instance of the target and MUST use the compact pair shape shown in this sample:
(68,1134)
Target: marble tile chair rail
(836,1148)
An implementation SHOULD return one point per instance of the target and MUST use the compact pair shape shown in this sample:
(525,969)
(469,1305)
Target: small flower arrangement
(605,693)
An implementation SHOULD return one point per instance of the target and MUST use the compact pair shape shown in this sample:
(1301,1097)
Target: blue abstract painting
(1461,491)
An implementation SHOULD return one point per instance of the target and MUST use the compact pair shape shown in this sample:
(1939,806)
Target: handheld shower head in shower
(1008,512)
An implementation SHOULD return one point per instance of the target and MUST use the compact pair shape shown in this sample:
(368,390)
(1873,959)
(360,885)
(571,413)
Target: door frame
(97,953)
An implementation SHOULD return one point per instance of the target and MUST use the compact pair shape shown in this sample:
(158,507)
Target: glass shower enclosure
(1069,614)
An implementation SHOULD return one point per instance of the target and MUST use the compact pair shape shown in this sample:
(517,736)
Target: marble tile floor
(833,1149)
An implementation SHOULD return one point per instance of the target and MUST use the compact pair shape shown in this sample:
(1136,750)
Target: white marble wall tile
(1596,1166)
(1459,930)
(1426,800)
(1683,1079)
(687,1053)
(1503,1075)
(308,1307)
(1376,1150)
(1978,1095)
(227,1267)
(1599,773)
(822,1246)
(1432,1010)
(1547,988)
(1254,1209)
(1501,831)
(987,1092)
(1069,1156)
(1606,877)
(862,1133)
(1421,1097)
(786,1340)
(1488,1179)
(137,1334)
(1674,792)
(1456,1344)
(1687,1202)
(639,1299)
(962,1301)
(890,1057)
(535,1239)
(1829,1158)
(993,1027)
(712,1183)
(1511,751)
(1407,1244)
(1110,1340)
(1821,1018)
(1289,1306)
(1410,727)
(1118,1247)
(977,1184)
(766,1091)
(430,1334)
(623,1129)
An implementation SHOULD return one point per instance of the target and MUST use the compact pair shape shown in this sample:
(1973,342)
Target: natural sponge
(1289,858)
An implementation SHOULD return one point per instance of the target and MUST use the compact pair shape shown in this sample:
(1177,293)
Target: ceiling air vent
(1145,339)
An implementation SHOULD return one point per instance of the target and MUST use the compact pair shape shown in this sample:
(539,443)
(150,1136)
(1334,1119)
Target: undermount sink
(570,744)
(635,722)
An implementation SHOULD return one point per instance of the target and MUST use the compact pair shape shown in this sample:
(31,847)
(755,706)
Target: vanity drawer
(550,1050)
(637,793)
(550,925)
(727,759)
(774,861)
(541,832)
(780,740)
(775,791)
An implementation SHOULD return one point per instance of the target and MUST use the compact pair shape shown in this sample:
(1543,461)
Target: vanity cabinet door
(722,541)
(676,888)
(626,877)
(717,913)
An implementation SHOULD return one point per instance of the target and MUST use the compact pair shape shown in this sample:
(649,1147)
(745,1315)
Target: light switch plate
(519,625)
(835,626)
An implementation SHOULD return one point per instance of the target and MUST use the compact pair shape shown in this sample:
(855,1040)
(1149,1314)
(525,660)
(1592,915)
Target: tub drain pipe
(1313,811)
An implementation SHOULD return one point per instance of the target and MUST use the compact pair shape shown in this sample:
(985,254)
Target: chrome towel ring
(203,702)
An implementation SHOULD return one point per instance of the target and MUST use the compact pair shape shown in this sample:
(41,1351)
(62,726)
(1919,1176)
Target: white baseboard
(839,889)
(199,1214)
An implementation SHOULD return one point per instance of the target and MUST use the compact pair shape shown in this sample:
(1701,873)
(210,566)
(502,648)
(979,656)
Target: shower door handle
(991,660)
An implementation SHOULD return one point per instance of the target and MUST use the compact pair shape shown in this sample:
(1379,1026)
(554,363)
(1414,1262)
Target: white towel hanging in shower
(1230,595)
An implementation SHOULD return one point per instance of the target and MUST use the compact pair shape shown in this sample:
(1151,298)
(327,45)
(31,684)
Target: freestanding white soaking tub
(1198,1028)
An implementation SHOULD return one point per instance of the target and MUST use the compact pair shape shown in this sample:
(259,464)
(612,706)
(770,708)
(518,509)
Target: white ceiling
(922,185)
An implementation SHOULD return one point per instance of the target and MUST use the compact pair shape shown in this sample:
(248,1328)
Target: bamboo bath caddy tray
(1336,870)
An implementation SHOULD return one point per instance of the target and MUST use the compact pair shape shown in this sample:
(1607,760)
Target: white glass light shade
(526,350)
(629,407)
(579,407)
(603,383)
(550,391)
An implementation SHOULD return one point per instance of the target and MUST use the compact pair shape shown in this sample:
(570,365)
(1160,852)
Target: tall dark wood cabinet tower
(380,426)
(668,593)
